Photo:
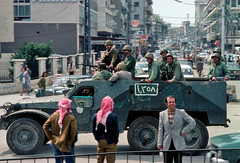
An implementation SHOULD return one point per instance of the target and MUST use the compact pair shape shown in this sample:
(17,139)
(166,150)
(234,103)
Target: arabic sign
(146,89)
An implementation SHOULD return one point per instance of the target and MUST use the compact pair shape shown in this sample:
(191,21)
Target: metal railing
(6,72)
(138,156)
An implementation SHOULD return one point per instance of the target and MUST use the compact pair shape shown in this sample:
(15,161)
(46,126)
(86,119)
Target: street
(86,143)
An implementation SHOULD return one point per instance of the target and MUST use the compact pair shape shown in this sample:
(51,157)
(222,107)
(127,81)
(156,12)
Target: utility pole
(128,21)
(223,22)
(87,39)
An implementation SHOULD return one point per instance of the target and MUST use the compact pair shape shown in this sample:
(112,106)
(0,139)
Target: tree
(231,22)
(33,50)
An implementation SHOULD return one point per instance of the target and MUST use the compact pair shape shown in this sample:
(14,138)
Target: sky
(174,12)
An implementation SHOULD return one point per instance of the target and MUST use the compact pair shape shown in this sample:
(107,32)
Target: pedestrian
(121,73)
(28,81)
(153,68)
(174,124)
(42,83)
(174,71)
(105,130)
(103,73)
(61,130)
(71,68)
(162,64)
(112,57)
(129,61)
(23,78)
(199,67)
(218,70)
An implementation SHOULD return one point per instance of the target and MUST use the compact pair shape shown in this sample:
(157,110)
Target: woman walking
(23,77)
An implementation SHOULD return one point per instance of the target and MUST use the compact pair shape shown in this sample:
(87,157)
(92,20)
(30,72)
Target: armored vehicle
(137,105)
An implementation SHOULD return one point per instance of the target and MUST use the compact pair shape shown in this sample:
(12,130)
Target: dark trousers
(169,156)
(57,152)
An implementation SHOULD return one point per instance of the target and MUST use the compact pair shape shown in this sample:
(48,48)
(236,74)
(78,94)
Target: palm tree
(231,22)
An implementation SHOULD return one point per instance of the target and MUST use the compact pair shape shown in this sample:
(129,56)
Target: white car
(187,71)
(143,65)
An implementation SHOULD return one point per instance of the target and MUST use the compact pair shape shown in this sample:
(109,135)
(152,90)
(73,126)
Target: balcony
(209,4)
(210,14)
(149,9)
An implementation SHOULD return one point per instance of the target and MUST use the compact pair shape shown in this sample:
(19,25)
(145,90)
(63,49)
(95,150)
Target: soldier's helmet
(218,50)
(163,50)
(215,55)
(121,66)
(108,42)
(102,66)
(127,47)
(149,55)
(169,55)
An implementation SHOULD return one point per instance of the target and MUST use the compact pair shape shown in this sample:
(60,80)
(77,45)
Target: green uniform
(102,75)
(154,71)
(130,63)
(174,72)
(218,70)
(112,59)
(163,69)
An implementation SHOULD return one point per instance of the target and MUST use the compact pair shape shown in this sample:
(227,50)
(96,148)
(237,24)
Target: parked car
(225,141)
(234,70)
(139,73)
(61,85)
(187,71)
(143,65)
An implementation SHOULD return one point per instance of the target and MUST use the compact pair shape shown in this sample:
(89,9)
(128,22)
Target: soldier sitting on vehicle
(112,57)
(218,69)
(121,73)
(153,69)
(129,61)
(219,53)
(103,73)
(162,64)
(174,72)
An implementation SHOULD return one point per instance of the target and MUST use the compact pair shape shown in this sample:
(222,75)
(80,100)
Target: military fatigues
(130,63)
(154,71)
(174,72)
(218,70)
(163,69)
(102,75)
(121,75)
(112,59)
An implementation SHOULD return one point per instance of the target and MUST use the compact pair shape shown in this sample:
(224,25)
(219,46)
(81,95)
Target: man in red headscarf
(61,129)
(105,130)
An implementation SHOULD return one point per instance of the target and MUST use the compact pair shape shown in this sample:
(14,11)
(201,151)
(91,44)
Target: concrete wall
(6,21)
(64,36)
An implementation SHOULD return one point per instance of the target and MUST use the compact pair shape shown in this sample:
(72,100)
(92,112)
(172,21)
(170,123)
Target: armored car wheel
(142,133)
(25,136)
(197,138)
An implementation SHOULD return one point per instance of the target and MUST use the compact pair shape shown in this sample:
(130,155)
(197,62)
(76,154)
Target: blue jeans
(57,152)
(42,92)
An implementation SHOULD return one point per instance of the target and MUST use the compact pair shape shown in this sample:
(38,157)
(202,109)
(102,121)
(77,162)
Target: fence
(6,72)
(138,157)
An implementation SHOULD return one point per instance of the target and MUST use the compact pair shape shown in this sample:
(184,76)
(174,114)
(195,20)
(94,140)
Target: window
(227,2)
(136,17)
(238,2)
(233,3)
(238,15)
(22,11)
(136,4)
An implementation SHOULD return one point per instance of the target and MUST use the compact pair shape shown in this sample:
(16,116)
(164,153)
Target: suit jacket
(166,132)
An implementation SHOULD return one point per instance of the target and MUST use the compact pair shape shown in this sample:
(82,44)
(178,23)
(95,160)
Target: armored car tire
(197,138)
(143,133)
(25,136)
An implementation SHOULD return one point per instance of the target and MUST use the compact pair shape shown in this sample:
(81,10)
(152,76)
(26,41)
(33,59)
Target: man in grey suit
(173,125)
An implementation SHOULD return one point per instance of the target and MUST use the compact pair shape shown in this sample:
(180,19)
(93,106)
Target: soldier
(174,72)
(153,69)
(217,69)
(112,57)
(121,73)
(218,52)
(129,61)
(162,64)
(103,73)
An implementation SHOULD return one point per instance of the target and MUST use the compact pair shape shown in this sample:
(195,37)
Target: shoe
(21,94)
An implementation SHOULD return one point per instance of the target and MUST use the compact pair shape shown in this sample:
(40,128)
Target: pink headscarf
(105,110)
(64,106)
